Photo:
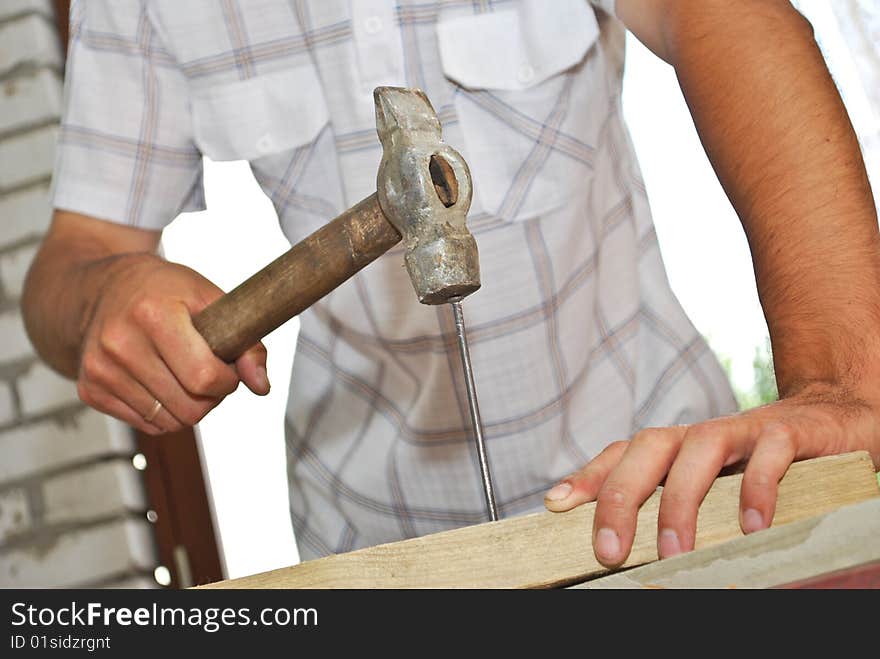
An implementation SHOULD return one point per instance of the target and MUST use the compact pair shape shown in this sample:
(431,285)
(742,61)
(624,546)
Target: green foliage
(763,388)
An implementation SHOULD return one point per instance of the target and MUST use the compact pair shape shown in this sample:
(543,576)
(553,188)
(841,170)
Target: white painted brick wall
(45,445)
(58,478)
(29,40)
(138,583)
(14,342)
(25,213)
(7,406)
(81,557)
(13,269)
(98,490)
(15,514)
(27,157)
(9,8)
(29,99)
(42,390)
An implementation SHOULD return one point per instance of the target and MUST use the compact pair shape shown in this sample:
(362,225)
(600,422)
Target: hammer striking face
(423,196)
(423,193)
(424,189)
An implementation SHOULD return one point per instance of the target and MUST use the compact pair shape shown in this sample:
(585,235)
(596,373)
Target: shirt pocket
(256,117)
(516,68)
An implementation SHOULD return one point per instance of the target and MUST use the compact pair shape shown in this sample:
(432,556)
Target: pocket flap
(250,118)
(516,48)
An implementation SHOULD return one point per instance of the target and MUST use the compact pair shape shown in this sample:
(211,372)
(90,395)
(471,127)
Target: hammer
(423,193)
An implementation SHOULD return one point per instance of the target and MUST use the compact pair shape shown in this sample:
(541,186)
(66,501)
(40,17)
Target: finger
(100,399)
(140,359)
(102,376)
(706,449)
(643,466)
(583,485)
(251,369)
(185,352)
(774,452)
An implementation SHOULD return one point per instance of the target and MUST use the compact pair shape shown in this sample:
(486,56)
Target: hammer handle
(296,279)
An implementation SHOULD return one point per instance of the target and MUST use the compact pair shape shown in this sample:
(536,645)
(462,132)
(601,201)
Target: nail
(607,545)
(558,492)
(752,521)
(263,379)
(668,544)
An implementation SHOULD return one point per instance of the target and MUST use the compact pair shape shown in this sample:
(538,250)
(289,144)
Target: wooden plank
(839,540)
(553,549)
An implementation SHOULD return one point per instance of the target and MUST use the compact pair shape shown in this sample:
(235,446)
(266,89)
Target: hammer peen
(423,193)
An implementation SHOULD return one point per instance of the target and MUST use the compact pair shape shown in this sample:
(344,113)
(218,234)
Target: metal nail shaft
(477,423)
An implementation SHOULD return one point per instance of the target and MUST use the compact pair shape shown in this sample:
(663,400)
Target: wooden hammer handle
(296,279)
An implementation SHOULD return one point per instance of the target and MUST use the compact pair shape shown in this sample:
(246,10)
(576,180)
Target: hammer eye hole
(443,177)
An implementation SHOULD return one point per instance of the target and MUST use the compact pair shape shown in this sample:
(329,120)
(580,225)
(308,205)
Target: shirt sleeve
(605,5)
(125,150)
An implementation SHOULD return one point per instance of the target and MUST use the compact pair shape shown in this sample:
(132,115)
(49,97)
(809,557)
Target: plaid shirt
(576,337)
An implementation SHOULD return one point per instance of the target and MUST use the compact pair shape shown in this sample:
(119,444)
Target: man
(576,337)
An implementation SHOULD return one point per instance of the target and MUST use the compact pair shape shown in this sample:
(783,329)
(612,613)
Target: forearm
(61,288)
(778,136)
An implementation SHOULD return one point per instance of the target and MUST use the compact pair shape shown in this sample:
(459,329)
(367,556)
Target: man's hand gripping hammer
(423,193)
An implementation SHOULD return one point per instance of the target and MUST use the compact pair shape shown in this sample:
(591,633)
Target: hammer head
(424,189)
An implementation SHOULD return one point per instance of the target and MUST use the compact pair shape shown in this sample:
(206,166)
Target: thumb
(583,486)
(251,368)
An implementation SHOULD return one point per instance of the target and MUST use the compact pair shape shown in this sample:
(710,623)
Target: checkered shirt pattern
(576,337)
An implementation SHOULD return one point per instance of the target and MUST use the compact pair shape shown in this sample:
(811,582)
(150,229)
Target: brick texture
(7,404)
(72,507)
(13,268)
(132,583)
(12,8)
(96,491)
(29,99)
(27,157)
(15,344)
(52,444)
(82,557)
(15,514)
(26,214)
(42,390)
(29,41)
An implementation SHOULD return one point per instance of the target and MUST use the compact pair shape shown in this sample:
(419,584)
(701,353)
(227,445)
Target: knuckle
(707,438)
(674,499)
(588,479)
(115,340)
(613,497)
(147,312)
(660,438)
(192,415)
(648,435)
(779,433)
(619,445)
(172,426)
(92,369)
(759,479)
(208,379)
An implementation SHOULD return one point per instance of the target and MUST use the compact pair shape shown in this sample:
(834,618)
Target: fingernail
(607,545)
(668,544)
(752,521)
(558,492)
(263,379)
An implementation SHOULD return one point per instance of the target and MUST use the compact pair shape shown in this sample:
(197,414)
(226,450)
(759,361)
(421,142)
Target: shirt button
(525,73)
(264,144)
(372,24)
